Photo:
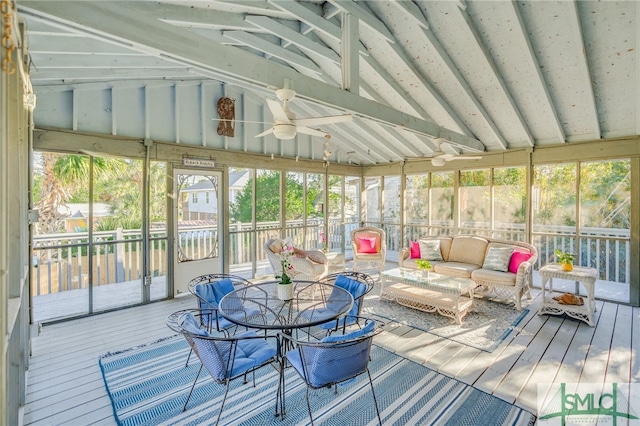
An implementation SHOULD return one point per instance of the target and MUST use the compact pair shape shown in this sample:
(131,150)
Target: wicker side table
(586,276)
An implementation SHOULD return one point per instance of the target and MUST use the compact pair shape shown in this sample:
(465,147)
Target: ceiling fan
(439,158)
(285,123)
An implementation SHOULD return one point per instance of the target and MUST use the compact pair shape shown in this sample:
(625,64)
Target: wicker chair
(369,246)
(303,268)
(225,358)
(335,359)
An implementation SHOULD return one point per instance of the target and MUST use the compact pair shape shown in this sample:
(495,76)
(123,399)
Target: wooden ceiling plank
(497,75)
(411,10)
(83,74)
(457,75)
(394,85)
(64,60)
(263,45)
(115,21)
(366,17)
(587,80)
(304,43)
(194,16)
(544,87)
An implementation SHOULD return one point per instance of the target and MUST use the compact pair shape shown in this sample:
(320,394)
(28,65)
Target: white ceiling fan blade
(278,111)
(313,132)
(265,133)
(329,119)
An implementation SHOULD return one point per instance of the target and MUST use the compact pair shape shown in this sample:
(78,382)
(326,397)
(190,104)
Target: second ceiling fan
(287,126)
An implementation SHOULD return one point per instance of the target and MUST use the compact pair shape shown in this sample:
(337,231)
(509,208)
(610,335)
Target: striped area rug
(149,384)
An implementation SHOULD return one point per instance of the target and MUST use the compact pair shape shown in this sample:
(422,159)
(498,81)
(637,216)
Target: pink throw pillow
(517,258)
(366,245)
(415,250)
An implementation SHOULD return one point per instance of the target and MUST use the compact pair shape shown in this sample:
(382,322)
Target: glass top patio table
(434,281)
(313,303)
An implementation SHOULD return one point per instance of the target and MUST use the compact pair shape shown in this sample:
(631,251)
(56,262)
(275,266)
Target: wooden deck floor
(65,386)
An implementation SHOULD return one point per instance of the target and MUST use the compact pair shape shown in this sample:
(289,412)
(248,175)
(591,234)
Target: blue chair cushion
(355,287)
(325,365)
(213,292)
(191,325)
(369,328)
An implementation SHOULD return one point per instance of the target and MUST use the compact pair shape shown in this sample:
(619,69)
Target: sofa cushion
(519,255)
(497,258)
(430,249)
(415,250)
(373,238)
(468,249)
(455,269)
(504,278)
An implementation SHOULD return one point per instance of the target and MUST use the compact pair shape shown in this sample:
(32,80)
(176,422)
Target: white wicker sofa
(482,259)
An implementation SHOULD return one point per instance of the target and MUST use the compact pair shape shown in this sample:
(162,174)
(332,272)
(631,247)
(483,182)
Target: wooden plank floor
(65,386)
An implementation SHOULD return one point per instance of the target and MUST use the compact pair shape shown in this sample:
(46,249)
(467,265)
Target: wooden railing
(60,261)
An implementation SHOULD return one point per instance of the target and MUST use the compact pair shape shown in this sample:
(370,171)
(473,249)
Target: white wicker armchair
(375,254)
(312,267)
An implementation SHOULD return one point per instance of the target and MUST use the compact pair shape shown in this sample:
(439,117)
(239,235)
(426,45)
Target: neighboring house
(199,202)
(75,215)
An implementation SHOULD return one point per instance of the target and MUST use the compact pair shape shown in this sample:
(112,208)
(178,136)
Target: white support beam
(350,65)
(194,17)
(304,43)
(115,22)
(544,87)
(274,50)
(466,88)
(587,81)
(497,75)
(315,22)
(365,16)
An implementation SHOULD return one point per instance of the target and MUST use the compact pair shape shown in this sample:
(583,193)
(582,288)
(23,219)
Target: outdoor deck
(65,385)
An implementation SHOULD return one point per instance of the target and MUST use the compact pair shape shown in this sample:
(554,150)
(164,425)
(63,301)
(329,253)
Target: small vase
(567,267)
(285,291)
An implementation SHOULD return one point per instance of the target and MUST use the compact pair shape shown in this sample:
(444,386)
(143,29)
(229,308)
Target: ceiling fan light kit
(287,126)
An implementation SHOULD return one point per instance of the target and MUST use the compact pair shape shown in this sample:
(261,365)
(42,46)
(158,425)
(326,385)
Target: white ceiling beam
(535,65)
(314,21)
(350,65)
(457,75)
(338,132)
(304,43)
(196,17)
(587,81)
(83,74)
(497,75)
(116,22)
(274,50)
(394,85)
(366,17)
(47,60)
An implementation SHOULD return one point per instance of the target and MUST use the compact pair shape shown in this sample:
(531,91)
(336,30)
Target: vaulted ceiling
(480,75)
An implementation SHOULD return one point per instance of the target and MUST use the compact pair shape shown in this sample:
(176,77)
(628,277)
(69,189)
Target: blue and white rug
(484,327)
(149,384)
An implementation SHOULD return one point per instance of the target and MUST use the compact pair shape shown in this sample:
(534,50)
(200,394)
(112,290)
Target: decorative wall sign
(227,112)
(198,162)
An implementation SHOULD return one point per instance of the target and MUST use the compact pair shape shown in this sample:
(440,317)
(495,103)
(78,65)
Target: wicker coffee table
(448,296)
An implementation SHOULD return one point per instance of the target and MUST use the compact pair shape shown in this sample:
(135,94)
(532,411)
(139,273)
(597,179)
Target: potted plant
(565,259)
(285,285)
(425,266)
